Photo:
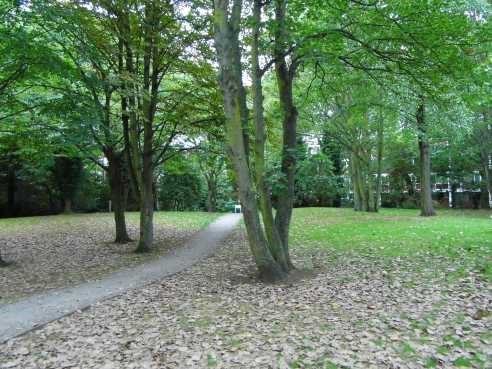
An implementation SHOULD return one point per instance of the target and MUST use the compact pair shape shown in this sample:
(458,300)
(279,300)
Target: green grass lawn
(461,236)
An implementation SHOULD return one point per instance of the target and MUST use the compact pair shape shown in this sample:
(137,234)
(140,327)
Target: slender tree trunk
(483,138)
(359,185)
(380,144)
(265,202)
(211,195)
(119,192)
(484,192)
(371,206)
(355,189)
(227,25)
(285,78)
(146,209)
(426,207)
(146,191)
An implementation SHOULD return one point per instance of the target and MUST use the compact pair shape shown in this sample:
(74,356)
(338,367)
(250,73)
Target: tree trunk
(146,199)
(355,188)
(484,192)
(147,193)
(359,185)
(230,77)
(67,205)
(380,144)
(118,185)
(211,195)
(426,207)
(483,137)
(285,77)
(265,203)
(371,206)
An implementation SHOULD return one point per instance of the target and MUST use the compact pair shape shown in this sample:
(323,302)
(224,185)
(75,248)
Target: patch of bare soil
(351,313)
(58,253)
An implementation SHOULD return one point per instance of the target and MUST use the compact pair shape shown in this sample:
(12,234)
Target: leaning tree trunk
(265,202)
(285,78)
(119,192)
(227,26)
(426,207)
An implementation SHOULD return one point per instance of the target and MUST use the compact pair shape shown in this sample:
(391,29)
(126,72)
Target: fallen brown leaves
(61,251)
(350,313)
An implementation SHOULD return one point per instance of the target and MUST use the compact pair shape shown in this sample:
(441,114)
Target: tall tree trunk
(426,207)
(147,185)
(355,184)
(483,138)
(359,185)
(271,231)
(146,207)
(117,171)
(379,168)
(371,206)
(285,78)
(227,29)
(129,117)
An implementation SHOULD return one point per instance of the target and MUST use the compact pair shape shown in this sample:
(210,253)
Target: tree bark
(211,195)
(265,203)
(426,207)
(227,26)
(285,78)
(146,208)
(118,184)
(371,206)
(147,181)
(484,192)
(483,138)
(359,185)
(379,166)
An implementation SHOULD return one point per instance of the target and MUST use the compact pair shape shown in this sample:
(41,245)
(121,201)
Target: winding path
(38,310)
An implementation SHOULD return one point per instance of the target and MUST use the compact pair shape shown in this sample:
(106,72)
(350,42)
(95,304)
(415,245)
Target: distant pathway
(37,310)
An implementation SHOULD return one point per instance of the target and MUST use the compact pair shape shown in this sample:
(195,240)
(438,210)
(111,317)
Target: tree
(426,207)
(212,164)
(68,172)
(227,23)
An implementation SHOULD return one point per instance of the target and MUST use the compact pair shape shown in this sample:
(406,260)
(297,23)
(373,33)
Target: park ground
(387,290)
(63,250)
